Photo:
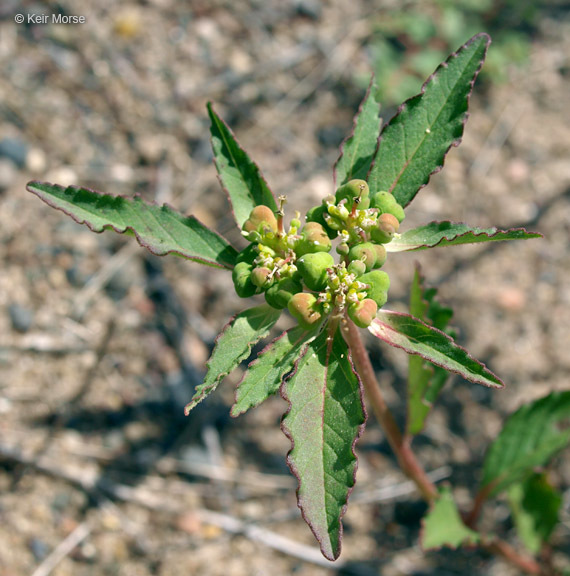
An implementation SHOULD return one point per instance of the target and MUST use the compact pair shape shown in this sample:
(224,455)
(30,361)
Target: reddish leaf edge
(220,376)
(497,231)
(404,104)
(140,241)
(376,320)
(294,471)
(284,377)
(210,107)
(351,134)
(204,394)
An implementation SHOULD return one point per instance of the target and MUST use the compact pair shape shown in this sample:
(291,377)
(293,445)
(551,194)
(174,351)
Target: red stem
(524,563)
(400,445)
(473,516)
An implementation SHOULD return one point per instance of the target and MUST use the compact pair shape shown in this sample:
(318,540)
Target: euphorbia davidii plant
(320,365)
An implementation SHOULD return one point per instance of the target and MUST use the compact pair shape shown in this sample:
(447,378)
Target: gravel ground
(101,343)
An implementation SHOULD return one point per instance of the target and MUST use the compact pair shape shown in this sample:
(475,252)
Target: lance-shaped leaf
(160,229)
(233,345)
(436,234)
(535,505)
(529,439)
(239,175)
(416,337)
(266,372)
(357,151)
(325,419)
(425,380)
(443,525)
(414,143)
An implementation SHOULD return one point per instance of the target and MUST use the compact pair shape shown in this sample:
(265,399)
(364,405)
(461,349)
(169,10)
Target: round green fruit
(387,204)
(261,277)
(313,239)
(261,217)
(378,286)
(386,226)
(366,252)
(313,269)
(357,267)
(380,255)
(303,307)
(241,276)
(351,190)
(362,313)
(279,294)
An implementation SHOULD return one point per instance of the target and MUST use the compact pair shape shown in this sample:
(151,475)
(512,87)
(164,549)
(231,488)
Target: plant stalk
(524,563)
(399,444)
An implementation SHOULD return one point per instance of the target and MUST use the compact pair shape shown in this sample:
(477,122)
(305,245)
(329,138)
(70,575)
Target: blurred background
(101,343)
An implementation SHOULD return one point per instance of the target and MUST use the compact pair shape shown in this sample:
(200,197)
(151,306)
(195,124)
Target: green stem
(400,445)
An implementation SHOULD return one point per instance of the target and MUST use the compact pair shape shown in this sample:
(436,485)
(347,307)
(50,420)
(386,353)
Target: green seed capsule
(380,255)
(351,190)
(378,285)
(303,306)
(357,267)
(261,277)
(241,276)
(365,252)
(362,313)
(313,269)
(261,217)
(313,239)
(386,203)
(279,294)
(386,226)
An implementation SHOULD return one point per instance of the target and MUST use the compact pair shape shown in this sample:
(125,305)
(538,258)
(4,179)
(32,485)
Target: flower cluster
(295,269)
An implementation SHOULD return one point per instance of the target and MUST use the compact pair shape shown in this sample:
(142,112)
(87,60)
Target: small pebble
(39,549)
(21,318)
(15,150)
(36,161)
(310,8)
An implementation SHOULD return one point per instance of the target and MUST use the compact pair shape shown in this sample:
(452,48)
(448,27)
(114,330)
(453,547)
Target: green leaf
(233,345)
(535,505)
(415,142)
(160,229)
(266,372)
(239,175)
(443,525)
(452,234)
(357,151)
(325,419)
(425,380)
(529,439)
(415,337)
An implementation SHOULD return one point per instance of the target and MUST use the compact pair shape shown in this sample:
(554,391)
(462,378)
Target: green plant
(320,366)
